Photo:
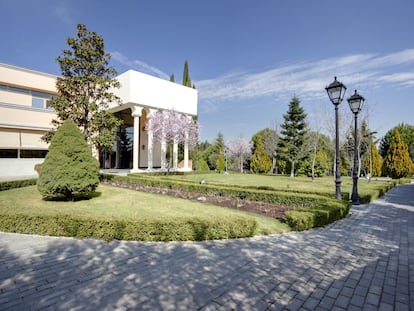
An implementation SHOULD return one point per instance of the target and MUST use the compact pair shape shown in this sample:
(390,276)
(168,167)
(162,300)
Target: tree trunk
(292,169)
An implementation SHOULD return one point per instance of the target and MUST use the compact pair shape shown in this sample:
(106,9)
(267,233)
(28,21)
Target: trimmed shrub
(69,167)
(6,185)
(178,229)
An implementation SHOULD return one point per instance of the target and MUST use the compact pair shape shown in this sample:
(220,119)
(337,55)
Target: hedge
(311,210)
(326,213)
(195,229)
(282,197)
(7,185)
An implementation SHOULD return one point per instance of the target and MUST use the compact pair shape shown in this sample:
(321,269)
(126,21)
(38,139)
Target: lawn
(280,182)
(112,204)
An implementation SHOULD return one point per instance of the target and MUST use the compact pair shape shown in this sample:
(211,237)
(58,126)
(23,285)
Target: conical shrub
(69,168)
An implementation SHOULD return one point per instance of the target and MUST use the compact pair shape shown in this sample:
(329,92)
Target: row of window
(40,100)
(14,153)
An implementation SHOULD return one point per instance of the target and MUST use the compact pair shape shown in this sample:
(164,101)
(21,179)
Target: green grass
(110,203)
(324,185)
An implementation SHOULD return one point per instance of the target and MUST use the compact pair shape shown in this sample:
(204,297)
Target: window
(8,153)
(33,153)
(38,103)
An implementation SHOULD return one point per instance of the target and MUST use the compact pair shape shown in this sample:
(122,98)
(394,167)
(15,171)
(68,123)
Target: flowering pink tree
(172,127)
(240,149)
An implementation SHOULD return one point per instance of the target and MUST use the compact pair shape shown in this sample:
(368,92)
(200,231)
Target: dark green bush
(69,167)
(6,185)
(325,213)
(139,230)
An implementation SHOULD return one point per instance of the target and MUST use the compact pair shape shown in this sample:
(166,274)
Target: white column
(136,113)
(163,155)
(149,150)
(186,168)
(175,155)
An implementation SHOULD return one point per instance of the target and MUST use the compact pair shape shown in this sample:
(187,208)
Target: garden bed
(256,207)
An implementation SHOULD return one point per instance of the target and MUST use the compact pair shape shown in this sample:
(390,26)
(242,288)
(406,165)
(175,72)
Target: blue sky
(247,58)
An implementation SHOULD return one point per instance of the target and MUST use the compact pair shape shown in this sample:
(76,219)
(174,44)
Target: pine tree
(172,78)
(397,163)
(292,134)
(69,167)
(261,162)
(85,89)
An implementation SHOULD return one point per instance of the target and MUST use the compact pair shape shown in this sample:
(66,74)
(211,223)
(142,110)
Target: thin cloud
(308,79)
(63,13)
(138,65)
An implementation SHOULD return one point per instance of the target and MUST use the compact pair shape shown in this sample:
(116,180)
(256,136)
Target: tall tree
(85,89)
(292,134)
(269,139)
(186,76)
(373,162)
(260,160)
(397,163)
(240,149)
(214,151)
(407,135)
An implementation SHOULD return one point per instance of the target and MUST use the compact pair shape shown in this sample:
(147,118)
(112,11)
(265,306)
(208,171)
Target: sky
(248,59)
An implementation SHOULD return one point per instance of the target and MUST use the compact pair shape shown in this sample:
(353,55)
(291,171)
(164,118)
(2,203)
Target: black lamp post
(355,103)
(336,91)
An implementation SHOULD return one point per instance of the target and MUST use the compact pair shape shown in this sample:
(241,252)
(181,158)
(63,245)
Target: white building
(25,117)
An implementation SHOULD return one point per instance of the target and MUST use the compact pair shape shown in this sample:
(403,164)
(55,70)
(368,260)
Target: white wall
(148,91)
(18,168)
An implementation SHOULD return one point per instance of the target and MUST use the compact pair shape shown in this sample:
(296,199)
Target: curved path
(363,262)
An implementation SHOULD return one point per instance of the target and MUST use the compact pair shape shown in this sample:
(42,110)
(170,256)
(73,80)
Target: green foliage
(12,184)
(186,76)
(406,132)
(321,166)
(261,162)
(85,89)
(397,163)
(176,229)
(202,166)
(292,134)
(220,163)
(69,167)
(323,214)
(213,151)
(373,161)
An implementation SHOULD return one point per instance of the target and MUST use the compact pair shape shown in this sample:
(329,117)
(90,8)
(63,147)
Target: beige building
(25,116)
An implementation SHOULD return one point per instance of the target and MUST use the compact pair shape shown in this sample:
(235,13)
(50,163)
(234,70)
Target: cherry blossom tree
(172,128)
(241,149)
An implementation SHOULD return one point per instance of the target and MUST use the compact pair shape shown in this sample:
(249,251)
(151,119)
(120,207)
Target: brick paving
(363,262)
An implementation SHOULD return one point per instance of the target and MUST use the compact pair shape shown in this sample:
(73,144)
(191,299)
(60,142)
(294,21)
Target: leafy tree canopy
(397,163)
(407,136)
(85,88)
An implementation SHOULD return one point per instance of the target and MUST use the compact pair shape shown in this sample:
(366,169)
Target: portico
(142,95)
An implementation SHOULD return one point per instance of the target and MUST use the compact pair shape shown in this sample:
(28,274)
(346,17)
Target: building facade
(25,117)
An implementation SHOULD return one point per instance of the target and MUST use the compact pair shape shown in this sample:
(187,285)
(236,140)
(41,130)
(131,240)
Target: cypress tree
(261,162)
(397,163)
(186,76)
(69,167)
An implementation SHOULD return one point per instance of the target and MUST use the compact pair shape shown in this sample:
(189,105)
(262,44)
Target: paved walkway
(363,262)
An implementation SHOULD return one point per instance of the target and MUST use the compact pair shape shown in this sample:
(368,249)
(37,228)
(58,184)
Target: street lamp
(355,103)
(336,91)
